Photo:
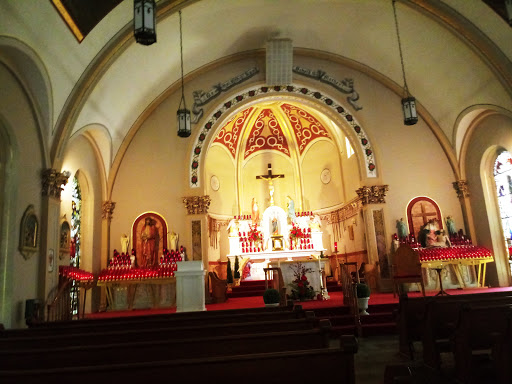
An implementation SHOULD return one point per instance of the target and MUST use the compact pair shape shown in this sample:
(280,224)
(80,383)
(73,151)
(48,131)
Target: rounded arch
(465,126)
(31,72)
(8,198)
(414,225)
(256,94)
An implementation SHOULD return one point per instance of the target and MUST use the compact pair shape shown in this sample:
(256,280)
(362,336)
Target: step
(379,329)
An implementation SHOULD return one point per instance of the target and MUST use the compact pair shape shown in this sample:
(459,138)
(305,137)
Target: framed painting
(29,233)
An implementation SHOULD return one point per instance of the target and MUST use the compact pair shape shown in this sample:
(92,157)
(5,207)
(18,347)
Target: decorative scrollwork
(53,182)
(197,204)
(373,195)
(462,188)
(107,210)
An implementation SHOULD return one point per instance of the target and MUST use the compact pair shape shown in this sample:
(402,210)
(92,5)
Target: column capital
(462,188)
(53,182)
(197,204)
(374,194)
(107,209)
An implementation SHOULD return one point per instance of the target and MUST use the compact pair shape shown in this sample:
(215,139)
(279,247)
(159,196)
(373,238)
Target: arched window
(76,219)
(503,180)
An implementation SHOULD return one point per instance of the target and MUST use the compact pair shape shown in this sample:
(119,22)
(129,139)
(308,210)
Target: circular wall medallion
(214,183)
(325,176)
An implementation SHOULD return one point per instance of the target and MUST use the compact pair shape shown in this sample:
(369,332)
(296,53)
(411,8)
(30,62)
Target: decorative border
(29,233)
(364,142)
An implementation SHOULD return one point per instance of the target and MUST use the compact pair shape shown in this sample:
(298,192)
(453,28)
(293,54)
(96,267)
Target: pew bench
(157,350)
(475,334)
(501,353)
(169,332)
(311,365)
(440,321)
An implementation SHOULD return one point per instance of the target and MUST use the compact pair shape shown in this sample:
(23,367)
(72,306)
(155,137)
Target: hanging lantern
(409,108)
(183,113)
(144,21)
(183,122)
(408,102)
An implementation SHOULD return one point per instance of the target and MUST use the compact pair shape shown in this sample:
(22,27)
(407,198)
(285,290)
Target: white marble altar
(315,277)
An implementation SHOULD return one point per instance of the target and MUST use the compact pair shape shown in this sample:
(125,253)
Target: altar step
(333,285)
(380,320)
(248,288)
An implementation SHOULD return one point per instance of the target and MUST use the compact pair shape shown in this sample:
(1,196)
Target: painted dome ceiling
(277,126)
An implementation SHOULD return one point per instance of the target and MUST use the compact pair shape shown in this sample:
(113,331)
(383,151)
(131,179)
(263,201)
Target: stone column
(462,189)
(53,183)
(197,222)
(373,200)
(107,214)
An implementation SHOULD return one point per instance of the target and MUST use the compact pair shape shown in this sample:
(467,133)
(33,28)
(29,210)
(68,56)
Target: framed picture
(29,233)
(277,243)
(64,238)
(51,260)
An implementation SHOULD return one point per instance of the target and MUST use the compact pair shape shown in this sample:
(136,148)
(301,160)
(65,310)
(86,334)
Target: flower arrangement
(296,232)
(301,289)
(254,235)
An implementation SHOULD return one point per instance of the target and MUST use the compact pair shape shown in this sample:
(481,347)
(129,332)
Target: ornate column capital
(107,210)
(462,188)
(373,195)
(53,182)
(197,204)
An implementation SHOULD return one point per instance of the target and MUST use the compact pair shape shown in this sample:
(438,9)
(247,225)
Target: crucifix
(269,177)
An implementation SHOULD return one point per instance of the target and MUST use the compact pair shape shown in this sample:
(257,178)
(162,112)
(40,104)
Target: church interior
(138,137)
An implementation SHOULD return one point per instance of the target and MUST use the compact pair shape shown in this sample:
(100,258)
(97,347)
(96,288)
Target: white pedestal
(190,286)
(234,245)
(316,239)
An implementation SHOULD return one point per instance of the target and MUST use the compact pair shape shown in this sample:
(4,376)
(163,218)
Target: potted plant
(271,297)
(363,295)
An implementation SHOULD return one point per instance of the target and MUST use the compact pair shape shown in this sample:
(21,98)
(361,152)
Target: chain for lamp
(181,55)
(406,89)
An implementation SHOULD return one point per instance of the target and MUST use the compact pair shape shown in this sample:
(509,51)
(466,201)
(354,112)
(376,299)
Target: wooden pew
(411,315)
(63,339)
(276,367)
(176,320)
(502,354)
(157,350)
(475,333)
(441,318)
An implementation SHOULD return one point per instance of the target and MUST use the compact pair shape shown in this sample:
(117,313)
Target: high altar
(278,238)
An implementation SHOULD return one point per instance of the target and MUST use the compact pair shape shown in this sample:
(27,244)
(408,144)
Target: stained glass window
(503,179)
(76,218)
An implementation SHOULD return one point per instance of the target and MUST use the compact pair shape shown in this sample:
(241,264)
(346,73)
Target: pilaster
(107,213)
(462,189)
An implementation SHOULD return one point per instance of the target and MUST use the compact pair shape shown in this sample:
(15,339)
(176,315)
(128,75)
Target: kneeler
(275,277)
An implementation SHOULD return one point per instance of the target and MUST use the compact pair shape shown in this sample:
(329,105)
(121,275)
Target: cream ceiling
(108,80)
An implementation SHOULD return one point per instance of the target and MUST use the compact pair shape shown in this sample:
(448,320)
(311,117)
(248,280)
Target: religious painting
(149,238)
(64,238)
(420,211)
(29,233)
(197,253)
(380,238)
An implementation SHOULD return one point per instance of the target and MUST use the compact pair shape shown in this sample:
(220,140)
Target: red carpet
(336,300)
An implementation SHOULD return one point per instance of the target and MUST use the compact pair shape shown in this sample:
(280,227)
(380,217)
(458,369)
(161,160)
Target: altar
(278,237)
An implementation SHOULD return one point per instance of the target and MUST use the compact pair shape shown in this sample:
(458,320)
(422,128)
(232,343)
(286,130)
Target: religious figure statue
(401,229)
(149,237)
(275,227)
(450,225)
(173,241)
(233,228)
(255,212)
(315,224)
(291,209)
(125,241)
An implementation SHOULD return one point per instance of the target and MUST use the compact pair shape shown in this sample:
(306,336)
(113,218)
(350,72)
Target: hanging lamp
(144,21)
(183,113)
(408,101)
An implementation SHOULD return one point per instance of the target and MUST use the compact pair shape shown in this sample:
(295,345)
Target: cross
(424,214)
(269,177)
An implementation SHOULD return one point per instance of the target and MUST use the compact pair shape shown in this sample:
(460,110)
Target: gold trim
(68,20)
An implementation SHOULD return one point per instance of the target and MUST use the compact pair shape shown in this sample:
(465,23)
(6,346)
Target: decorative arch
(419,211)
(364,143)
(138,224)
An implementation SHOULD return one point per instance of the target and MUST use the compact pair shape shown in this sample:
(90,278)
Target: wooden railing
(58,305)
(349,296)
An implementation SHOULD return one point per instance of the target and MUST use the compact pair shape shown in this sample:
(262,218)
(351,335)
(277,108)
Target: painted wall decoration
(380,238)
(266,134)
(29,233)
(197,253)
(149,238)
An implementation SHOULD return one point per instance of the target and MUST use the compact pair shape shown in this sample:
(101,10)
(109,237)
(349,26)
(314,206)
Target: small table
(442,292)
